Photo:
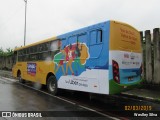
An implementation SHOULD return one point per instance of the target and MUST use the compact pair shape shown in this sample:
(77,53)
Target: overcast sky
(48,18)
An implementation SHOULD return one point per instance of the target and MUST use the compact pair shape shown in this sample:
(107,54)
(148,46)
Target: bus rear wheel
(52,85)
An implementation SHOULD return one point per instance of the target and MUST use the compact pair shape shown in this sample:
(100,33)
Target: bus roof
(122,23)
(55,38)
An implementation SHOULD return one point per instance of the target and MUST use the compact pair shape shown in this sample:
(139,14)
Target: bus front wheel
(52,85)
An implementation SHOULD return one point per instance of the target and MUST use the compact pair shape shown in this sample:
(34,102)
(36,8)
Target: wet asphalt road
(16,97)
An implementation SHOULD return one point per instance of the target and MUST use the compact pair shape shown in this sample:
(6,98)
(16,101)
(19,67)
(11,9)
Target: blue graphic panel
(31,68)
(87,48)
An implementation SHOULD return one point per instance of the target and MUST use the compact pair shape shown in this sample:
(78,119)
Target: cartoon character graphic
(72,57)
(69,58)
(61,61)
(78,49)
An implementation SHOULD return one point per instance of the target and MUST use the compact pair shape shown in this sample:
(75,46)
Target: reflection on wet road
(16,97)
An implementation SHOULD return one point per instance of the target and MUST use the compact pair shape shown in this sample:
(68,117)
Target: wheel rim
(52,86)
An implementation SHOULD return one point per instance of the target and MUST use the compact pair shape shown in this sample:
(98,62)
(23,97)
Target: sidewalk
(144,93)
(5,73)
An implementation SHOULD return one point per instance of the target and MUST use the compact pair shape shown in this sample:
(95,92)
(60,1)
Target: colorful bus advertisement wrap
(71,70)
(104,58)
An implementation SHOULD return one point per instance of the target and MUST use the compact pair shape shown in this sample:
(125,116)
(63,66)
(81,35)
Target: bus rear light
(115,71)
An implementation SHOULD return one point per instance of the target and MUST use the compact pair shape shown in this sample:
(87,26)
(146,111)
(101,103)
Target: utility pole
(25,22)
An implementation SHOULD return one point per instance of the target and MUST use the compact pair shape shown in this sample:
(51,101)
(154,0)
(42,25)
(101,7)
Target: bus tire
(20,78)
(52,85)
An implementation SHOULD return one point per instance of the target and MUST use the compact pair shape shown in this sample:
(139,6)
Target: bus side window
(48,46)
(34,49)
(96,37)
(27,51)
(99,36)
(20,55)
(54,48)
(40,48)
(95,43)
(45,46)
(31,49)
(54,45)
(27,54)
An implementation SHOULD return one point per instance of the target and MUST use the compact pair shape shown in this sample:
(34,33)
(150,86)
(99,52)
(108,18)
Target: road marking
(90,109)
(87,108)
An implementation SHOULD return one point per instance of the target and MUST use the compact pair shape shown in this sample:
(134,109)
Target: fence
(6,62)
(151,56)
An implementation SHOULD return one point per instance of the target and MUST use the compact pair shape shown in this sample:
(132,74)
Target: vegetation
(8,52)
(6,59)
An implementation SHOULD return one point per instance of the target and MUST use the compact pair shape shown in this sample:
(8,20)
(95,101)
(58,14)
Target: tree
(4,55)
(9,52)
(1,52)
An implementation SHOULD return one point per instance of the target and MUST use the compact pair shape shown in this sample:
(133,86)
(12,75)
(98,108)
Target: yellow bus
(104,58)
